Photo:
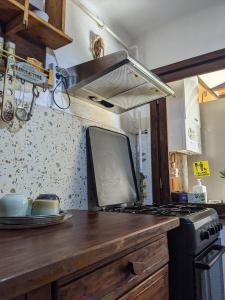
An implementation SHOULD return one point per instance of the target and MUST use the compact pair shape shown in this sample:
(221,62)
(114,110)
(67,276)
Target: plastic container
(10,47)
(200,189)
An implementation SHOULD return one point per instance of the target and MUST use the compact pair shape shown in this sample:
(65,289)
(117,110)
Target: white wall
(213,148)
(48,154)
(79,26)
(186,37)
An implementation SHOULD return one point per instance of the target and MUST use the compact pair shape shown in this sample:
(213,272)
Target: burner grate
(163,210)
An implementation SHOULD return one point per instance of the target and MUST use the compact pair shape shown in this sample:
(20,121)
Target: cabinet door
(43,293)
(193,137)
(192,108)
(155,287)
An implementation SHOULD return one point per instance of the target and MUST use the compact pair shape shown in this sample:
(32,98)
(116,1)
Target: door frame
(205,63)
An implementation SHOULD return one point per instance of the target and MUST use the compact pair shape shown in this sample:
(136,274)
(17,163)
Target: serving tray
(33,221)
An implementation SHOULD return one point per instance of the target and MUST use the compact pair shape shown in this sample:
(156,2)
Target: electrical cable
(62,81)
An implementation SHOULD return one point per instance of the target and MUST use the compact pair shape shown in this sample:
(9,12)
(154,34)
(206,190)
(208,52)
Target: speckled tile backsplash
(48,155)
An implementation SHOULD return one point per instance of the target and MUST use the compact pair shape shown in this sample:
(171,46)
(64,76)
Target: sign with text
(201,168)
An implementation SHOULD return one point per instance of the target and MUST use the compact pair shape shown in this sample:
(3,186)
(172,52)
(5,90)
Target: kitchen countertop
(34,257)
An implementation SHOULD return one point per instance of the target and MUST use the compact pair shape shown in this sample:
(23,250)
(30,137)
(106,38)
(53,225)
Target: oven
(209,282)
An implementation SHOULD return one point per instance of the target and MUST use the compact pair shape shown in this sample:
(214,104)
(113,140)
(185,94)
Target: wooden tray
(33,221)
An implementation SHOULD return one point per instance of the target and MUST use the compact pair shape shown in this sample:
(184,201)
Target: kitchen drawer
(155,287)
(115,279)
(43,293)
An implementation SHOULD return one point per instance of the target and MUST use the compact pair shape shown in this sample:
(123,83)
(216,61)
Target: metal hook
(35,91)
(10,78)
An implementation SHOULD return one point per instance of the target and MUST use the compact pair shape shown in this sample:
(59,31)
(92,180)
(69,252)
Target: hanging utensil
(21,112)
(8,99)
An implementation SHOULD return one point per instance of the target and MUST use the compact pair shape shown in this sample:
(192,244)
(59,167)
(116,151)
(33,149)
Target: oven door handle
(200,264)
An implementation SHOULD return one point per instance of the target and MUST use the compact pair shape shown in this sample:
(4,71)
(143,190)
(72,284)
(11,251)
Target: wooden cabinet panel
(114,279)
(43,293)
(155,287)
(56,9)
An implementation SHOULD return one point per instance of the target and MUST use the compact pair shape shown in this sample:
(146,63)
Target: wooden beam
(219,87)
(159,150)
(206,87)
(165,196)
(198,65)
(154,126)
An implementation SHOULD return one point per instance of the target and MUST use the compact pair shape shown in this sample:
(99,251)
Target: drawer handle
(137,268)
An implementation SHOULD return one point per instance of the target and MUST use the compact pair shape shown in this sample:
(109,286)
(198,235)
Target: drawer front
(155,287)
(115,279)
(43,293)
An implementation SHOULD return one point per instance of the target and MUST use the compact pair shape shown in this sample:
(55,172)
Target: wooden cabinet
(95,256)
(155,287)
(43,293)
(139,275)
(120,276)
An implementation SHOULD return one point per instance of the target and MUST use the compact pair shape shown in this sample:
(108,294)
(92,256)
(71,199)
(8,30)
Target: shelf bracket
(20,22)
(26,13)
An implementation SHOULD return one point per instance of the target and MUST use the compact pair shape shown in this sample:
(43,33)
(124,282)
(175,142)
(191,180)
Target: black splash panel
(112,167)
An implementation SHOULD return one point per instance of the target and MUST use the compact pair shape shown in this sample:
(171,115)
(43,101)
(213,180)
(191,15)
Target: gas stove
(162,210)
(199,225)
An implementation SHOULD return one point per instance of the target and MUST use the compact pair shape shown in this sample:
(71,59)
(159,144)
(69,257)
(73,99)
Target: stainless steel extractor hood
(116,82)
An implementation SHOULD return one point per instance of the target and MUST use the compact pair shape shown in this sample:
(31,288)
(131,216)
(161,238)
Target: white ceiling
(137,16)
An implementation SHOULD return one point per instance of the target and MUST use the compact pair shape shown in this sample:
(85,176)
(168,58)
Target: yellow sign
(201,168)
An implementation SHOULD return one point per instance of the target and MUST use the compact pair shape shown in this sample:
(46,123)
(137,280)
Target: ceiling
(137,16)
(213,79)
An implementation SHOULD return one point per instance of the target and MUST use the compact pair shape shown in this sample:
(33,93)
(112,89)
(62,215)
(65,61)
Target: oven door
(209,273)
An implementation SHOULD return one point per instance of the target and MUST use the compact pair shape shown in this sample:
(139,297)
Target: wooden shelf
(32,7)
(39,31)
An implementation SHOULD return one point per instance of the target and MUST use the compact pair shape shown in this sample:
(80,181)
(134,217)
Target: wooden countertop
(32,258)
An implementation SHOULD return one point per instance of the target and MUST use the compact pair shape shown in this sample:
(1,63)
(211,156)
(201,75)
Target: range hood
(116,82)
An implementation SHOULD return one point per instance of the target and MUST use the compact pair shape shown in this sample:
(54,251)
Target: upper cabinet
(183,117)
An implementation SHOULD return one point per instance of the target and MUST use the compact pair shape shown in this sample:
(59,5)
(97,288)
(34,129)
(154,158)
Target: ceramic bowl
(13,205)
(46,204)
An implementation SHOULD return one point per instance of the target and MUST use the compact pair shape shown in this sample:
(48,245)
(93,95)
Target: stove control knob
(212,230)
(218,227)
(204,235)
